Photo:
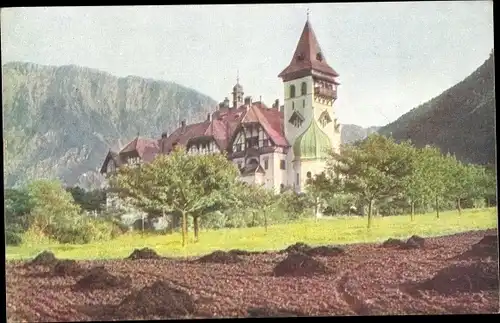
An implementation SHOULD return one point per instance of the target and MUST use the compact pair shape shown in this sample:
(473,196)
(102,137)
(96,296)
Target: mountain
(461,120)
(351,133)
(59,122)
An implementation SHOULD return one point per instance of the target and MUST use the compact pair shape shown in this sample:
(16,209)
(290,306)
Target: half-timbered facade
(275,146)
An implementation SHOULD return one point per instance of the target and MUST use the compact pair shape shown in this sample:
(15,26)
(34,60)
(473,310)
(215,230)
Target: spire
(308,56)
(237,76)
(307,14)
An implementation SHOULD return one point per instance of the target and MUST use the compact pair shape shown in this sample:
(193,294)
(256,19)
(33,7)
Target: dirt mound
(100,278)
(393,243)
(299,264)
(325,251)
(486,247)
(159,300)
(269,312)
(415,241)
(298,247)
(239,252)
(465,278)
(45,258)
(220,257)
(144,253)
(67,267)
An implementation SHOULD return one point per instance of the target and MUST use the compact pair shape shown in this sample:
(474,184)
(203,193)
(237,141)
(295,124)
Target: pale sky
(391,57)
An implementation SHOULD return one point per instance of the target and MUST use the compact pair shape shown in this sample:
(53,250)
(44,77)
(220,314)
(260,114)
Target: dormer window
(300,57)
(319,56)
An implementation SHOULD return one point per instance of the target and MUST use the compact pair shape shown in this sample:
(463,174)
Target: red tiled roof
(308,47)
(145,148)
(225,123)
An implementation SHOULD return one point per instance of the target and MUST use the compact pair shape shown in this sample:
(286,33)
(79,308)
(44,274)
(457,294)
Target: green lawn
(341,230)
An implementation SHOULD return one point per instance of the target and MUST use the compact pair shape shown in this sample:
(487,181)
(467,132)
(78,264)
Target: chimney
(277,104)
(209,117)
(164,135)
(248,100)
(183,125)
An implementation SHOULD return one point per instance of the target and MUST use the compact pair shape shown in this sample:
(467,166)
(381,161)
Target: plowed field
(451,274)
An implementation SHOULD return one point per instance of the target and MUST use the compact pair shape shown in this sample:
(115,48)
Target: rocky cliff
(351,133)
(59,122)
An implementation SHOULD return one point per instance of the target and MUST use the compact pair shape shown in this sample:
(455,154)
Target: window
(319,57)
(293,105)
(282,164)
(266,163)
(239,165)
(292,91)
(303,104)
(309,175)
(298,179)
(252,142)
(303,88)
(265,142)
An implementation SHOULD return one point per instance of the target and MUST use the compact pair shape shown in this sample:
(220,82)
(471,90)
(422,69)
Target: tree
(434,172)
(52,205)
(188,184)
(418,185)
(323,187)
(372,169)
(89,201)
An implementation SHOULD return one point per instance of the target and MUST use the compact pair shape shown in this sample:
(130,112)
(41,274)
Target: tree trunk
(412,215)
(437,207)
(370,207)
(459,207)
(142,225)
(184,228)
(196,228)
(265,220)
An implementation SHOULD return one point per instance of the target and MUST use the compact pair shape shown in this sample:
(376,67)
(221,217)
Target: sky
(391,57)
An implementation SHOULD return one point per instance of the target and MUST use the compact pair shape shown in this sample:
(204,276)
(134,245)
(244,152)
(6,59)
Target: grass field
(342,230)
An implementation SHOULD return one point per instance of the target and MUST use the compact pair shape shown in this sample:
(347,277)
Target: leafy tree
(89,201)
(52,204)
(372,169)
(178,182)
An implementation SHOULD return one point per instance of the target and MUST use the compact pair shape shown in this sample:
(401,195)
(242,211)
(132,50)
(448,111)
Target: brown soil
(325,251)
(299,247)
(161,299)
(220,257)
(366,280)
(269,312)
(144,253)
(239,252)
(100,278)
(393,243)
(464,278)
(415,242)
(485,248)
(67,267)
(45,258)
(299,264)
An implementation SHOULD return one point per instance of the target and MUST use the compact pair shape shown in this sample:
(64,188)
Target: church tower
(237,93)
(310,124)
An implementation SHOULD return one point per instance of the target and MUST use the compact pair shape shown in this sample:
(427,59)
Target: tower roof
(312,144)
(308,57)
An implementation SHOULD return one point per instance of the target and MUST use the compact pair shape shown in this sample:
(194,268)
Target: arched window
(303,88)
(292,91)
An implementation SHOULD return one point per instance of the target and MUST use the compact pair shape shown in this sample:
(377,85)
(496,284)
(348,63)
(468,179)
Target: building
(278,146)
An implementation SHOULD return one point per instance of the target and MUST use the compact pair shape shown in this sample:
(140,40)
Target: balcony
(326,93)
